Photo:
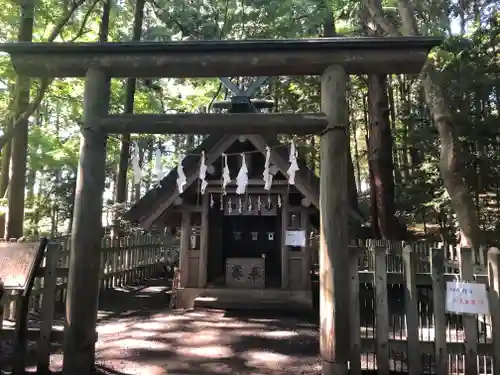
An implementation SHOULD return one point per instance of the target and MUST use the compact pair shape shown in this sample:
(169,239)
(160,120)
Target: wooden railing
(124,261)
(398,310)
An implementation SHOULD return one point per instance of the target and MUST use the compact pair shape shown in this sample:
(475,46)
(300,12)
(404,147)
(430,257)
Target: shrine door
(254,237)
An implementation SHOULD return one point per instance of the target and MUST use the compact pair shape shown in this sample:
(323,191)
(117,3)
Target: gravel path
(139,335)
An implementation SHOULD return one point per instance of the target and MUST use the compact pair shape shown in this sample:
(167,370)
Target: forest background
(425,149)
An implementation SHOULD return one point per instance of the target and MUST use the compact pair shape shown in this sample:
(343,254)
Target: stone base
(251,299)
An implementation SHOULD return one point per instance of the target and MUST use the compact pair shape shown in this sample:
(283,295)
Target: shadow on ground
(138,334)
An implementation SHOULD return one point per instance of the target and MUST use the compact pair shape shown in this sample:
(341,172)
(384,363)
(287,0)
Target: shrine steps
(246,299)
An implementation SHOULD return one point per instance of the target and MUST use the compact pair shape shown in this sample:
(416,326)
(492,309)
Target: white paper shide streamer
(266,175)
(158,167)
(203,173)
(294,167)
(136,168)
(181,177)
(226,176)
(242,178)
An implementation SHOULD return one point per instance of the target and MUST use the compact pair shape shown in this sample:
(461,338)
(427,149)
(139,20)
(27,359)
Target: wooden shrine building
(238,241)
(331,58)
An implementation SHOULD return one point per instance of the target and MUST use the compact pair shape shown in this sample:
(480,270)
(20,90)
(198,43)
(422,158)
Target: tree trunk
(395,154)
(4,179)
(137,185)
(373,198)
(452,157)
(15,214)
(121,176)
(356,157)
(380,151)
(451,163)
(150,153)
(404,92)
(380,138)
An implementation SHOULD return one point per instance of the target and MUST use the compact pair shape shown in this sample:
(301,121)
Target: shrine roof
(213,58)
(153,200)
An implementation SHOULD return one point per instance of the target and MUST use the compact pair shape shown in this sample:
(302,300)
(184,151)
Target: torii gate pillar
(84,262)
(334,236)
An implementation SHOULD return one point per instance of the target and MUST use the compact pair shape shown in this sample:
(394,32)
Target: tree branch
(84,21)
(32,107)
(379,19)
(45,83)
(408,20)
(64,21)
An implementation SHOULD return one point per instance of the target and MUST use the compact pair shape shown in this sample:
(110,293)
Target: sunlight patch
(204,337)
(149,325)
(139,344)
(228,325)
(111,328)
(206,352)
(278,334)
(143,334)
(268,359)
(126,367)
(154,289)
(171,318)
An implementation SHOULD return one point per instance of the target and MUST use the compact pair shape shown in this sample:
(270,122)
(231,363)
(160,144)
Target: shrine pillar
(334,213)
(203,260)
(285,263)
(184,247)
(84,266)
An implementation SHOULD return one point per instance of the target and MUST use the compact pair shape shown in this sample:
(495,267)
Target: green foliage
(469,65)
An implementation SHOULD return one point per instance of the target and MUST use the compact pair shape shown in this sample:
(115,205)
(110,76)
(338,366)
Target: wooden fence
(397,301)
(398,310)
(124,261)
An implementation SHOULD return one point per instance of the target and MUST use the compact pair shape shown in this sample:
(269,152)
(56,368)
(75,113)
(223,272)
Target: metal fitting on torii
(241,101)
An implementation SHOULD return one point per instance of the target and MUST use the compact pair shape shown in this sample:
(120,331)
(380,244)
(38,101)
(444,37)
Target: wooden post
(184,248)
(84,264)
(355,355)
(411,307)
(334,237)
(202,264)
(381,312)
(439,297)
(285,282)
(48,302)
(470,324)
(494,290)
(306,256)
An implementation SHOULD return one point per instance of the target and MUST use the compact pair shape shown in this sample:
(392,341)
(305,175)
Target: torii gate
(332,58)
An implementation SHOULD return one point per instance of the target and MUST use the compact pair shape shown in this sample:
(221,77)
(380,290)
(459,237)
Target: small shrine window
(294,220)
(255,236)
(196,218)
(193,242)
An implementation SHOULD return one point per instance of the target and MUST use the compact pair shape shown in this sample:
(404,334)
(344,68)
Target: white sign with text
(295,238)
(466,298)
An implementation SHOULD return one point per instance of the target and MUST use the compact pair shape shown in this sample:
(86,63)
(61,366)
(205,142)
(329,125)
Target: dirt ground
(138,334)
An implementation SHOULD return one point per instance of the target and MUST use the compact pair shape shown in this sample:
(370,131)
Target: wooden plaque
(18,262)
(246,272)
